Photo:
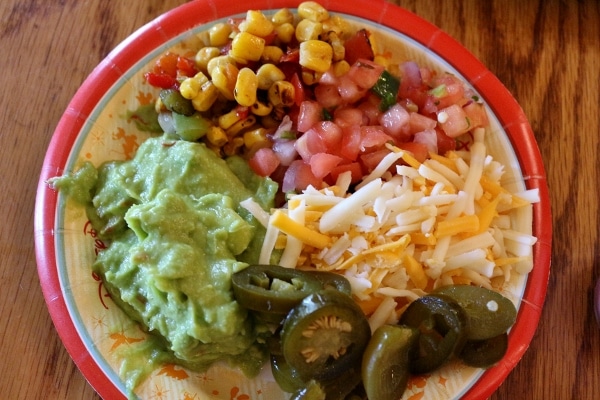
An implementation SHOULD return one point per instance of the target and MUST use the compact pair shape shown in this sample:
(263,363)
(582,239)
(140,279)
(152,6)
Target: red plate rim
(189,15)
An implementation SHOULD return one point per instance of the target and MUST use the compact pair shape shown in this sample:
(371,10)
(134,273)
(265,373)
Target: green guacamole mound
(176,233)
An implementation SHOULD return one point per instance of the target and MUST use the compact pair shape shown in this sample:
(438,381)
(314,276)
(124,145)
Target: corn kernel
(283,16)
(227,120)
(190,87)
(159,106)
(224,78)
(246,46)
(245,87)
(313,11)
(216,136)
(316,55)
(271,54)
(204,55)
(256,138)
(285,32)
(281,93)
(340,68)
(241,125)
(257,24)
(269,121)
(339,51)
(218,61)
(338,25)
(219,34)
(261,109)
(267,74)
(308,30)
(206,97)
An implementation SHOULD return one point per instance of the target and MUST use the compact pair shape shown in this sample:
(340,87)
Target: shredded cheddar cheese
(399,236)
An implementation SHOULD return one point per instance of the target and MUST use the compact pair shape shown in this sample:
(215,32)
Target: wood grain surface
(547,53)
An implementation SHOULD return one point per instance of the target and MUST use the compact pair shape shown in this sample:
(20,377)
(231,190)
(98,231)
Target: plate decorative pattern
(97,126)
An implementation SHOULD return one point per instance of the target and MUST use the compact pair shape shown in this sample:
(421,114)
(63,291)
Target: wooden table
(546,52)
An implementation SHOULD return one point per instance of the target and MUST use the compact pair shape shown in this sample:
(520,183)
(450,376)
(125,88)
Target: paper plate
(93,128)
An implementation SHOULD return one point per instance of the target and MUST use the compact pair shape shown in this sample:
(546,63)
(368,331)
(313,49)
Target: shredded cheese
(397,237)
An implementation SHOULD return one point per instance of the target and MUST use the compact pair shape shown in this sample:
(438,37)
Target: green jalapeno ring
(385,364)
(272,288)
(490,313)
(325,335)
(443,326)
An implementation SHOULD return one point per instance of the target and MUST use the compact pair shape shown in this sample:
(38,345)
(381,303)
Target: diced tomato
(310,143)
(418,122)
(444,142)
(264,162)
(166,64)
(330,134)
(321,164)
(345,116)
(310,112)
(186,67)
(372,159)
(299,89)
(160,80)
(395,122)
(349,90)
(292,55)
(328,96)
(358,47)
(370,109)
(476,114)
(355,172)
(365,73)
(418,150)
(299,176)
(373,136)
(351,139)
(453,120)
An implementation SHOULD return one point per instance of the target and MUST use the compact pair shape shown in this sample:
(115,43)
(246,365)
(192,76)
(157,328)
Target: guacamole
(176,234)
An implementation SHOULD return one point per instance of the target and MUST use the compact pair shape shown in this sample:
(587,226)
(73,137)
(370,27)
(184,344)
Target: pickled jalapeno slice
(443,326)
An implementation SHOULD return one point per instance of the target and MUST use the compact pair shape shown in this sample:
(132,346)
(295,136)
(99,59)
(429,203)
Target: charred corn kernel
(257,24)
(267,74)
(245,87)
(282,16)
(308,30)
(281,93)
(278,113)
(340,68)
(240,126)
(285,32)
(227,120)
(218,34)
(216,136)
(204,55)
(256,138)
(190,87)
(218,61)
(246,46)
(261,108)
(206,97)
(271,54)
(316,55)
(339,25)
(224,78)
(339,51)
(231,147)
(313,11)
